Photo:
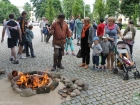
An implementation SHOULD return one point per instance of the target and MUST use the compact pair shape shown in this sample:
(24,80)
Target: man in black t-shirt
(22,23)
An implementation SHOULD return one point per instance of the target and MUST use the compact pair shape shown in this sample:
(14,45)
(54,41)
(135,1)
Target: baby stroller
(120,63)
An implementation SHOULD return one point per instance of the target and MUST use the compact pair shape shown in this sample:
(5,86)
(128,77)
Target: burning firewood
(53,85)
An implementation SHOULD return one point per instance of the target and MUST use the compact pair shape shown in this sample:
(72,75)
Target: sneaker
(15,62)
(73,54)
(20,56)
(96,68)
(93,68)
(33,56)
(11,59)
(67,53)
(101,68)
(28,56)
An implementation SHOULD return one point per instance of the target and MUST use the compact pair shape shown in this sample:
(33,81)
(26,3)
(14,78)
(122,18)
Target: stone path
(105,88)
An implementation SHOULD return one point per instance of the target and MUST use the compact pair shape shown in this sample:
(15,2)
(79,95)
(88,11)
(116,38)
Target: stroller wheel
(115,70)
(137,74)
(125,76)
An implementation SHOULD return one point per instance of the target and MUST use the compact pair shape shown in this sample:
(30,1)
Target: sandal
(82,65)
(86,66)
(107,66)
(111,68)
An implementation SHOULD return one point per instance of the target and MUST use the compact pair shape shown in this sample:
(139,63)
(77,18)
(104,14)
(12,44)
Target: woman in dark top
(86,42)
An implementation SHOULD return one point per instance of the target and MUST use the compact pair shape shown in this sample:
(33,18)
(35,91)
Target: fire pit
(31,83)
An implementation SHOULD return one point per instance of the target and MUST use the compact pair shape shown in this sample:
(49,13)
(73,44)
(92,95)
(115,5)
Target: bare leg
(20,49)
(112,60)
(108,60)
(13,52)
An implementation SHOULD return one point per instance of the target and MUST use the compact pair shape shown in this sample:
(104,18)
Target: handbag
(128,36)
(79,55)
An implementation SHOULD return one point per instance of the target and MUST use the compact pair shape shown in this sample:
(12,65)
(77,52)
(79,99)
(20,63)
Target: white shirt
(42,24)
(7,28)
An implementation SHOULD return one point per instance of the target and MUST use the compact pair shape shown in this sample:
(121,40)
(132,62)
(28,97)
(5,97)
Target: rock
(79,83)
(62,77)
(85,87)
(64,95)
(69,84)
(56,75)
(60,92)
(73,94)
(56,79)
(15,86)
(74,86)
(53,85)
(17,90)
(42,90)
(67,81)
(80,88)
(49,74)
(74,79)
(27,92)
(65,90)
(76,91)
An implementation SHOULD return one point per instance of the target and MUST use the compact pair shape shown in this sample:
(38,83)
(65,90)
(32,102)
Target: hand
(2,40)
(20,40)
(52,31)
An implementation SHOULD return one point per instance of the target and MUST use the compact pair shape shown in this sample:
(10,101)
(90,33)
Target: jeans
(57,56)
(29,45)
(103,57)
(48,37)
(96,60)
(131,48)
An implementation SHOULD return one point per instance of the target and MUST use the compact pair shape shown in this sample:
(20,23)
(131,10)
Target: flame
(32,81)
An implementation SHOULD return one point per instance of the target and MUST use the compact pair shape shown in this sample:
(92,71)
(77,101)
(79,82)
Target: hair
(101,20)
(112,19)
(30,27)
(87,19)
(61,16)
(11,16)
(131,22)
(23,13)
(120,19)
(43,18)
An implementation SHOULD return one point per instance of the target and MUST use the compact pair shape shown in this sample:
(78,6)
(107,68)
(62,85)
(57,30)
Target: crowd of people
(101,38)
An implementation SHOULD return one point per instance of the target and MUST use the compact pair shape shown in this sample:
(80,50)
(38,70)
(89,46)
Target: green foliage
(6,1)
(99,10)
(128,7)
(6,9)
(112,7)
(87,10)
(67,7)
(135,15)
(27,7)
(57,7)
(78,8)
(50,12)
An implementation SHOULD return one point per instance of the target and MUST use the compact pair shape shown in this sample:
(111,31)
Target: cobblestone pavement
(105,88)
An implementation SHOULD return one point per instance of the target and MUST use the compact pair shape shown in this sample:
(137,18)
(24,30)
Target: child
(106,46)
(28,42)
(97,49)
(69,43)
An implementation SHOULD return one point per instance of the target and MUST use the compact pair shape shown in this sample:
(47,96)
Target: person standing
(22,23)
(14,33)
(120,23)
(28,42)
(72,22)
(112,30)
(48,34)
(86,42)
(60,32)
(131,28)
(100,29)
(78,26)
(95,28)
(42,26)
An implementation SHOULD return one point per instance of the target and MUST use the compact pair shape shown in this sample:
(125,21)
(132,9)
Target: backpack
(12,26)
(45,31)
(94,26)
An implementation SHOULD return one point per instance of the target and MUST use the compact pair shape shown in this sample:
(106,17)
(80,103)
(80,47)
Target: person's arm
(68,32)
(126,30)
(3,34)
(99,49)
(51,31)
(23,26)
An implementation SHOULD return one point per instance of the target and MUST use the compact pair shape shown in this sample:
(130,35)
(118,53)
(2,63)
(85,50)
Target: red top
(100,29)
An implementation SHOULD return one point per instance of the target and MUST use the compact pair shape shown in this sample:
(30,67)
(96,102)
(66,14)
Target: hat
(96,38)
(106,36)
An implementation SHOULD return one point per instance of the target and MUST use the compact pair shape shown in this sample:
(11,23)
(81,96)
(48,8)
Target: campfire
(32,81)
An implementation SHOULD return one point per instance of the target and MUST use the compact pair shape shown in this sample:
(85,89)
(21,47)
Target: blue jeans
(95,60)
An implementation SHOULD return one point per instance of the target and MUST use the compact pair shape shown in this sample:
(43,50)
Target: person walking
(86,42)
(14,33)
(60,32)
(72,23)
(130,28)
(42,26)
(28,42)
(112,30)
(78,27)
(95,28)
(22,23)
(100,29)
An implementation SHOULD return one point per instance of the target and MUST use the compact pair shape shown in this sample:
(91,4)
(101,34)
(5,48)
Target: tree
(27,7)
(87,10)
(99,10)
(57,7)
(6,1)
(112,7)
(67,7)
(78,8)
(50,12)
(6,9)
(128,7)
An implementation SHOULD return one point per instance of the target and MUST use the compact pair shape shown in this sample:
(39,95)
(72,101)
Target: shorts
(23,41)
(11,42)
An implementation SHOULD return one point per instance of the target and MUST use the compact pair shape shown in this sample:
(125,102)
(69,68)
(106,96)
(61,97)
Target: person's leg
(87,56)
(31,49)
(21,47)
(112,60)
(45,37)
(13,53)
(97,61)
(60,59)
(108,60)
(27,52)
(72,49)
(131,48)
(41,35)
(66,48)
(49,37)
